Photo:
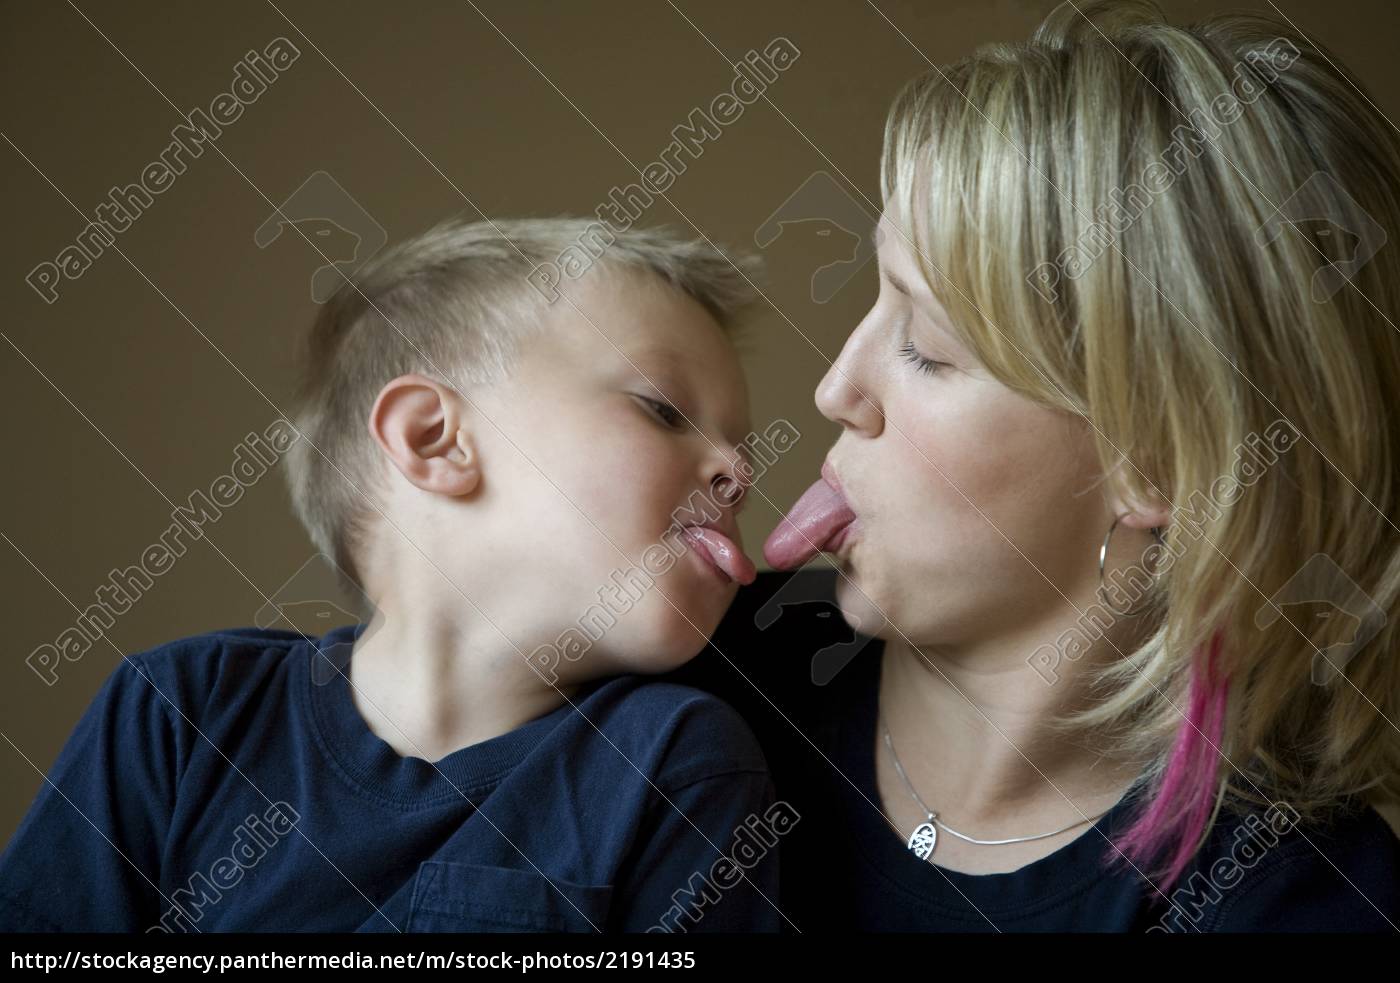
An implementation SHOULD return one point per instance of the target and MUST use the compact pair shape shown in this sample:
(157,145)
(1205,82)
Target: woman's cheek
(946,469)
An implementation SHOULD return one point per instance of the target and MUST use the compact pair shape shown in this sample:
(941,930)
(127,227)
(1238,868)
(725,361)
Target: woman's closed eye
(923,364)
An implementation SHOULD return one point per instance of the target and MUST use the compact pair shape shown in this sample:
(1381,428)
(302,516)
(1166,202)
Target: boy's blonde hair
(454,303)
(1225,302)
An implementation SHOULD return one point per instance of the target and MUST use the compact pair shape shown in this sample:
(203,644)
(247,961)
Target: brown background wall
(177,351)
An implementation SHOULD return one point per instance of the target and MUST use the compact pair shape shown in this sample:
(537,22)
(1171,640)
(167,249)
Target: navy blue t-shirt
(809,687)
(218,783)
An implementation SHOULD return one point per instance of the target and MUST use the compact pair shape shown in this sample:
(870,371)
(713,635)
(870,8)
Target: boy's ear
(418,422)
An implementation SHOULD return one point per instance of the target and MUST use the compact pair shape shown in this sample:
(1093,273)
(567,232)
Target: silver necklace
(925,835)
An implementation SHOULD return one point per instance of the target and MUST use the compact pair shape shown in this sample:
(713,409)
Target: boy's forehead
(636,304)
(636,323)
(641,317)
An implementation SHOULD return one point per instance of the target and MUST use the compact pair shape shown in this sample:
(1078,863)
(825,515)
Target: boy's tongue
(819,514)
(725,553)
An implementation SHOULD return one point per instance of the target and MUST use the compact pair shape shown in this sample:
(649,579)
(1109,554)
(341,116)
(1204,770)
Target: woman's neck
(975,740)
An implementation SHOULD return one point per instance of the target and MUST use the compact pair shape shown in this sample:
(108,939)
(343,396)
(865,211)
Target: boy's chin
(657,635)
(666,650)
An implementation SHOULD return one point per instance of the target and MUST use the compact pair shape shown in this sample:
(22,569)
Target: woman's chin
(861,609)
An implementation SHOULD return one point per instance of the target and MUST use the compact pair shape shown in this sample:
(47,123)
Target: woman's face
(977,511)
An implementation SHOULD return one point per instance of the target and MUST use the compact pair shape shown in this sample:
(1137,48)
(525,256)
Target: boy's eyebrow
(660,368)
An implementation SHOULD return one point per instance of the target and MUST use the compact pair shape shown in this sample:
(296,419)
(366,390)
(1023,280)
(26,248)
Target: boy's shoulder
(199,664)
(785,657)
(689,734)
(195,651)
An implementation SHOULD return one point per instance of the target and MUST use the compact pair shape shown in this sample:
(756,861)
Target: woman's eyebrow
(897,283)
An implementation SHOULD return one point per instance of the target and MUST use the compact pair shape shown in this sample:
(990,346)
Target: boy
(534,483)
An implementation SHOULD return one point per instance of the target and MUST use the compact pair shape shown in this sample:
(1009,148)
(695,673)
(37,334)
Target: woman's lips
(817,523)
(839,537)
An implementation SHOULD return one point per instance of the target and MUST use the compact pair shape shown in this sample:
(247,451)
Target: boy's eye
(664,412)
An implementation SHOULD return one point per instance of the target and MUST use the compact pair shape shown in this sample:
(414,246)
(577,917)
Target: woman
(1114,498)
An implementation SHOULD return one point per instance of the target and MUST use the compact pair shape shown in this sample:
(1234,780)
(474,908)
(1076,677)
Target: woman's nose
(846,394)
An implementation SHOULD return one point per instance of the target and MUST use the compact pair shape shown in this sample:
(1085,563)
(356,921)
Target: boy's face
(619,422)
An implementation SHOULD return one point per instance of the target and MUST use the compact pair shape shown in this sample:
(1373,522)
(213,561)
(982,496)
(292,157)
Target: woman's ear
(418,423)
(1153,518)
(1153,513)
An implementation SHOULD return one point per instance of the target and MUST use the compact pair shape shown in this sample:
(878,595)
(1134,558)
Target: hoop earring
(1103,555)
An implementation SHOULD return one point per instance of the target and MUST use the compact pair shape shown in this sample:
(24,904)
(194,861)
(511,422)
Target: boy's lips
(816,523)
(722,551)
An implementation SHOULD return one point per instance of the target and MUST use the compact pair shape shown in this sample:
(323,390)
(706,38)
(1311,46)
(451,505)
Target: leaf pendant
(924,839)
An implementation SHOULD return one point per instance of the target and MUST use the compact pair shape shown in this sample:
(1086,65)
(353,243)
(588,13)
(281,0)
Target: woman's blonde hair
(1177,232)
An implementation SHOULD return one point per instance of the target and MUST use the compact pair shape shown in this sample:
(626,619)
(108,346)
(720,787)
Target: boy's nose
(730,483)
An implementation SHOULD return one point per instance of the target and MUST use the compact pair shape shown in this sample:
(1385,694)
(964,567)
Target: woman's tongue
(819,514)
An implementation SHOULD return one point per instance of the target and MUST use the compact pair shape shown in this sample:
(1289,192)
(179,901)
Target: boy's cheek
(633,496)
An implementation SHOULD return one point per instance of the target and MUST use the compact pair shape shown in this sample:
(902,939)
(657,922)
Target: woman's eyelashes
(926,365)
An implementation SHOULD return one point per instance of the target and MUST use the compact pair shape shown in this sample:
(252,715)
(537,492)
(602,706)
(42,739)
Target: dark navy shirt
(809,687)
(217,784)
